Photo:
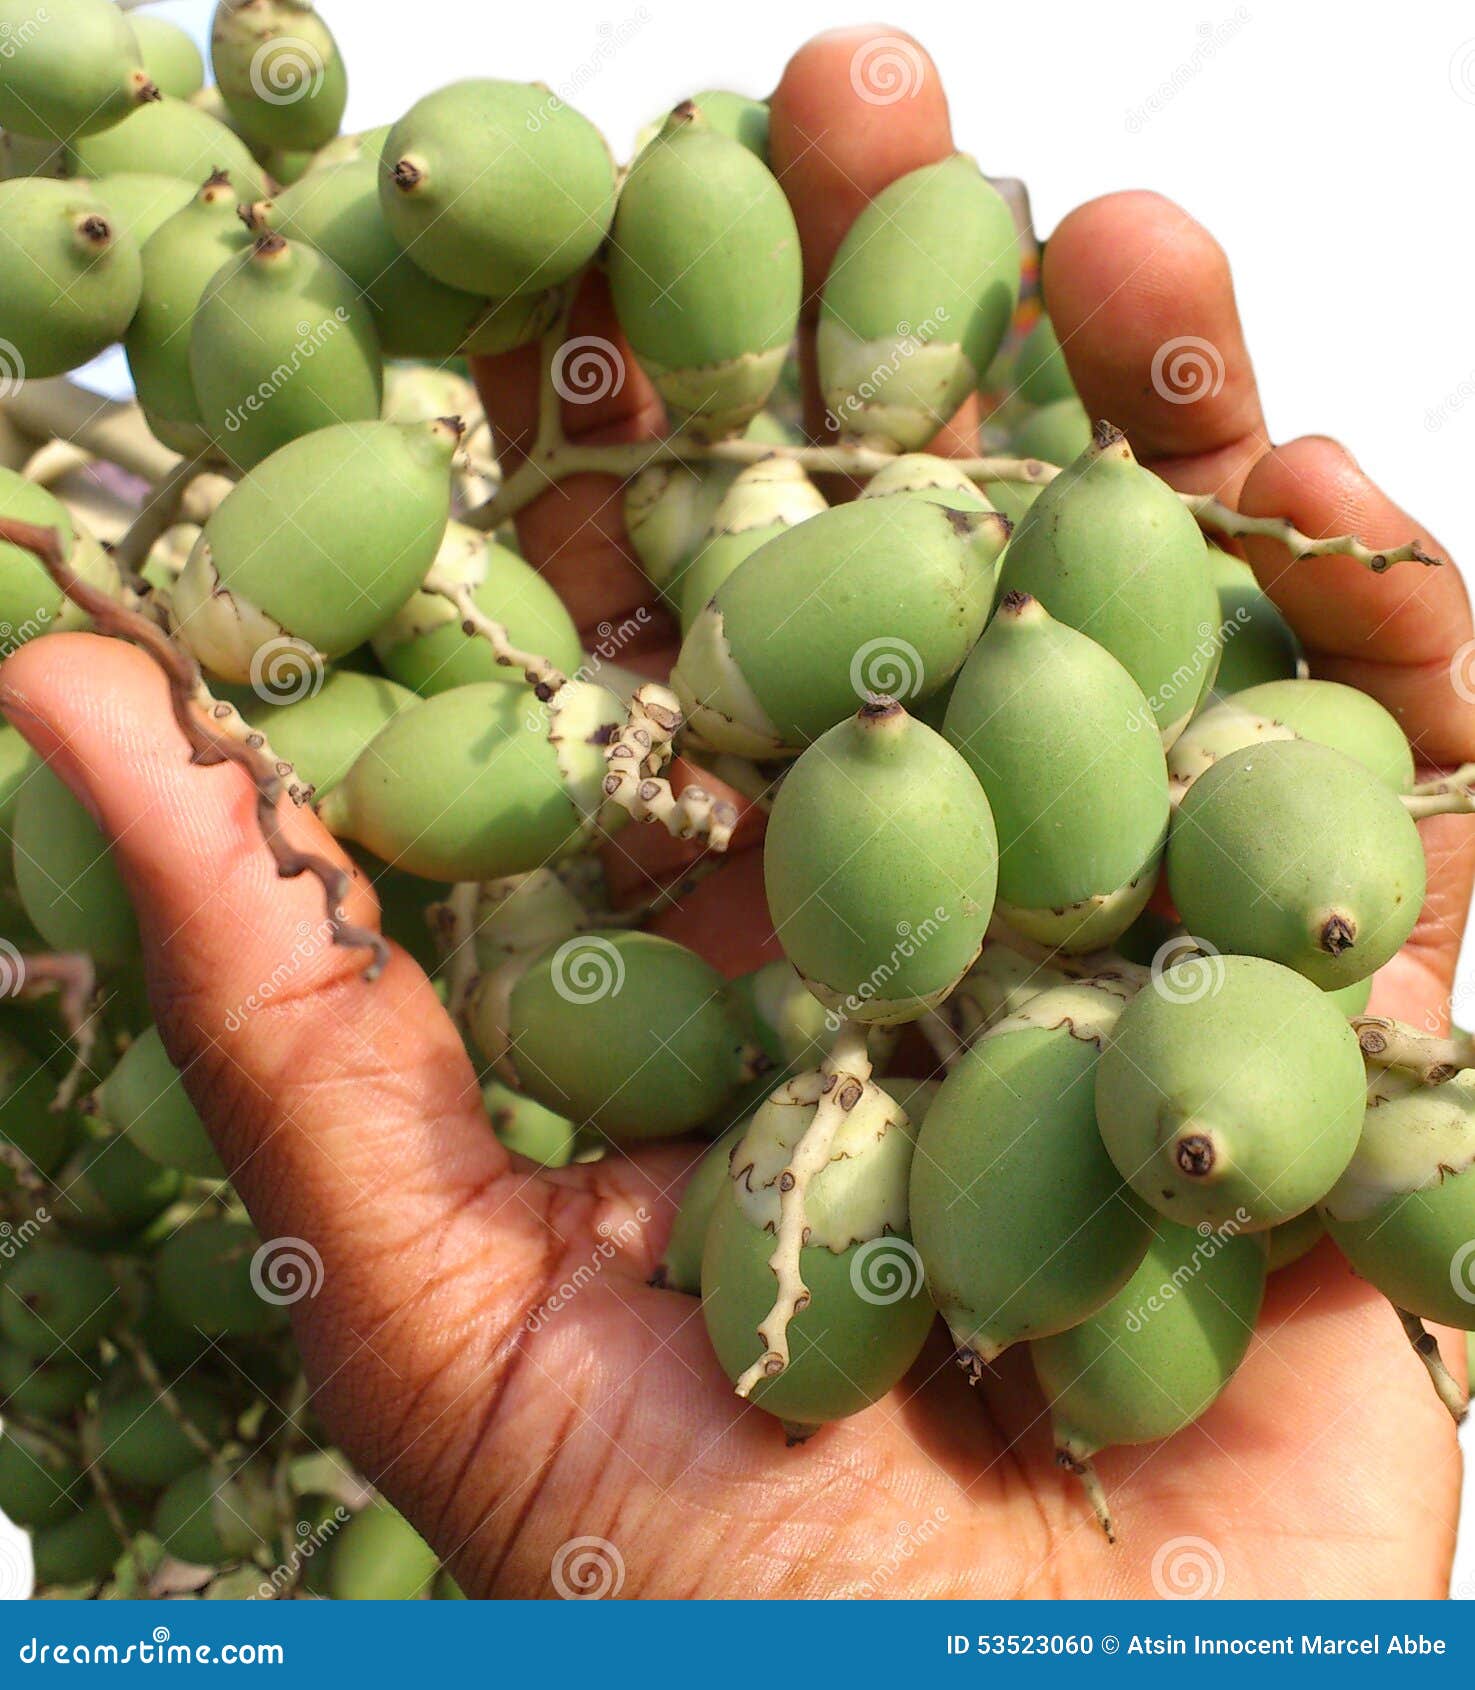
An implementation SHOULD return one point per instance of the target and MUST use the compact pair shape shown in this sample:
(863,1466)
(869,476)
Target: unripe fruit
(57,1300)
(141,204)
(868,1311)
(1287,1243)
(842,838)
(319,545)
(145,1098)
(282,344)
(1109,549)
(788,1021)
(179,262)
(81,1549)
(68,883)
(916,303)
(279,72)
(1056,433)
(380,1557)
(480,782)
(424,646)
(681,1260)
(209,1516)
(526,1128)
(883,595)
(141,1442)
(920,472)
(1023,1224)
(71,67)
(170,56)
(28,1123)
(171,138)
(343,149)
(50,1389)
(1256,641)
(765,500)
(70,275)
(322,734)
(739,115)
(524,914)
(213,1276)
(1040,375)
(624,1031)
(1294,852)
(1062,740)
(705,273)
(108,1189)
(1231,1093)
(30,601)
(38,1485)
(468,179)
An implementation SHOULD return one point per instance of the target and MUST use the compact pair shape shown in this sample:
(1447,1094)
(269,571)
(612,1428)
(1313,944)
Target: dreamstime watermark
(17,1575)
(13,638)
(1462,71)
(1461,1273)
(1211,1240)
(286,671)
(1187,679)
(1187,1569)
(909,1539)
(310,942)
(15,37)
(311,339)
(1462,672)
(12,368)
(286,69)
(909,940)
(909,342)
(612,638)
(311,1540)
(12,970)
(888,69)
(14,1239)
(613,38)
(611,1238)
(887,667)
(588,1569)
(286,1271)
(1213,38)
(1187,368)
(586,369)
(587,969)
(1186,970)
(1435,418)
(887,1270)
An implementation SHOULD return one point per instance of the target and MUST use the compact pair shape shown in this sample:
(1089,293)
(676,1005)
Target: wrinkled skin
(349,1117)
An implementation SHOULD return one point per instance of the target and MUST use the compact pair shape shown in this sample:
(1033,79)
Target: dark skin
(350,1113)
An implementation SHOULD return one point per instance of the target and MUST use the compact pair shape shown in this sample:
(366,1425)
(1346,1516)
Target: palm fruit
(523,914)
(793,1028)
(318,546)
(29,1125)
(207,1516)
(1256,641)
(279,72)
(1022,1223)
(38,1484)
(49,1389)
(323,734)
(1323,711)
(626,1032)
(171,138)
(1231,1093)
(109,1189)
(30,601)
(1056,433)
(211,1276)
(68,883)
(71,67)
(70,275)
(1153,1360)
(705,274)
(343,149)
(141,204)
(867,1312)
(883,595)
(1062,740)
(920,472)
(526,1128)
(380,1557)
(497,187)
(1040,373)
(765,500)
(142,1444)
(424,646)
(282,344)
(916,304)
(738,115)
(1287,1243)
(145,1098)
(57,1300)
(1110,549)
(880,929)
(1292,851)
(81,1549)
(180,260)
(680,1266)
(480,782)
(170,56)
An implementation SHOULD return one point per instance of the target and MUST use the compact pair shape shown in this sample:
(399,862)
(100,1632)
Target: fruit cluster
(1080,882)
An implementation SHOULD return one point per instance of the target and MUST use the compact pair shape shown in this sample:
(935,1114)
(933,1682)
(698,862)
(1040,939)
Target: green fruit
(681,1261)
(279,71)
(1057,433)
(71,67)
(623,1031)
(1022,1222)
(1294,852)
(868,1312)
(216,1276)
(526,1128)
(66,876)
(424,646)
(469,785)
(1040,373)
(322,734)
(524,914)
(38,1485)
(207,1517)
(880,927)
(1288,1242)
(70,276)
(920,472)
(316,549)
(790,1025)
(916,303)
(142,1444)
(141,204)
(343,149)
(880,596)
(109,1187)
(282,344)
(1062,740)
(497,187)
(145,1098)
(738,115)
(170,56)
(56,1299)
(705,274)
(171,138)
(28,1122)
(1231,1093)
(30,602)
(1323,711)
(380,1557)
(50,1389)
(1352,1000)
(1109,549)
(1256,640)
(180,260)
(79,1550)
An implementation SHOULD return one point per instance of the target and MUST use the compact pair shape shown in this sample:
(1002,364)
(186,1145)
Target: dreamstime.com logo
(586,369)
(1211,1240)
(888,69)
(15,37)
(612,638)
(1187,970)
(909,342)
(1187,1569)
(909,940)
(909,1539)
(611,1239)
(285,70)
(286,1271)
(13,638)
(16,1574)
(1186,681)
(12,368)
(1186,369)
(311,942)
(285,671)
(888,667)
(587,969)
(12,971)
(1462,672)
(588,1569)
(887,1270)
(14,1239)
(1461,1274)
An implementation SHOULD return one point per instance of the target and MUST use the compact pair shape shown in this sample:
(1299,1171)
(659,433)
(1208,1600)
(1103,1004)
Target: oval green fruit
(380,1557)
(323,733)
(28,1123)
(1287,1243)
(1040,373)
(207,1517)
(142,1444)
(171,138)
(141,204)
(48,1389)
(529,1129)
(279,72)
(57,1299)
(145,1098)
(170,56)
(81,1549)
(30,602)
(1256,641)
(109,1189)
(72,67)
(681,1261)
(38,1484)
(1056,433)
(793,1028)
(216,1276)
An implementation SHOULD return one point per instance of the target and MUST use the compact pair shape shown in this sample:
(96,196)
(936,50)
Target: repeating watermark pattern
(909,341)
(1211,1240)
(15,37)
(588,1569)
(888,69)
(586,369)
(587,969)
(1462,71)
(1212,39)
(909,940)
(1187,1569)
(311,339)
(16,1575)
(310,942)
(1462,672)
(1187,368)
(285,70)
(888,667)
(12,368)
(613,38)
(285,671)
(286,1271)
(1186,969)
(1449,407)
(12,970)
(887,1270)
(311,1539)
(14,1239)
(13,638)
(909,1539)
(611,1239)
(611,639)
(1186,681)
(1461,1275)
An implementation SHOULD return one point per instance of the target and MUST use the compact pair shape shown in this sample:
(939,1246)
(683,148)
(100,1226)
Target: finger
(1142,300)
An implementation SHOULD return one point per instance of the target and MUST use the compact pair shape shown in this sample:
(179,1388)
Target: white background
(1330,150)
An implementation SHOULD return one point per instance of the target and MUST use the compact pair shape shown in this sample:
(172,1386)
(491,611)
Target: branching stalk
(637,757)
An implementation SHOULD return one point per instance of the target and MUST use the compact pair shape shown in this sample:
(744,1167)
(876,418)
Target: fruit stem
(1211,514)
(542,676)
(844,1075)
(636,757)
(106,428)
(149,1372)
(49,463)
(72,975)
(453,923)
(1460,779)
(1431,1060)
(160,511)
(1442,799)
(1091,1484)
(1426,1349)
(101,1484)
